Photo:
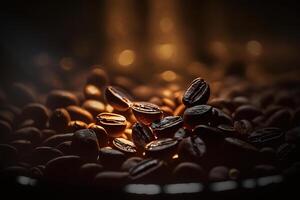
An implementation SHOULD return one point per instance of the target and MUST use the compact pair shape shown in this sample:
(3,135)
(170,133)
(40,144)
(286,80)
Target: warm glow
(126,57)
(254,48)
(66,63)
(166,24)
(175,156)
(165,51)
(169,75)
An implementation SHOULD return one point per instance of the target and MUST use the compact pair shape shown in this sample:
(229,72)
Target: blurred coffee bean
(80,114)
(7,116)
(141,135)
(181,133)
(189,172)
(92,92)
(14,171)
(8,155)
(117,98)
(27,123)
(218,173)
(111,158)
(65,147)
(23,146)
(36,173)
(101,134)
(97,77)
(126,146)
(76,125)
(287,154)
(130,162)
(36,112)
(284,99)
(179,110)
(113,123)
(293,136)
(167,111)
(227,129)
(197,115)
(32,134)
(234,174)
(281,119)
(88,171)
(59,120)
(166,127)
(156,100)
(146,113)
(220,117)
(20,94)
(239,101)
(197,93)
(169,103)
(46,133)
(164,148)
(110,180)
(243,127)
(270,137)
(61,99)
(5,130)
(41,155)
(55,140)
(267,155)
(266,98)
(264,170)
(94,107)
(248,112)
(191,148)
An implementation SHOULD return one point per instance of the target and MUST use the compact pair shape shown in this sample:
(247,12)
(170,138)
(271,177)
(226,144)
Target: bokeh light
(126,58)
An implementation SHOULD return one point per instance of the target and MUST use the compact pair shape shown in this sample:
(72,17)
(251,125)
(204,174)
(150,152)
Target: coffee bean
(65,147)
(36,173)
(61,99)
(228,129)
(101,134)
(169,103)
(239,101)
(14,171)
(167,111)
(8,155)
(92,92)
(287,154)
(23,146)
(55,140)
(113,123)
(80,114)
(182,133)
(197,115)
(248,112)
(197,93)
(36,112)
(163,148)
(94,107)
(110,180)
(59,120)
(7,116)
(243,127)
(46,133)
(141,135)
(189,172)
(20,94)
(179,110)
(191,148)
(166,127)
(117,98)
(41,155)
(271,137)
(130,162)
(88,171)
(210,135)
(76,125)
(264,170)
(218,173)
(126,146)
(146,113)
(5,130)
(293,136)
(32,134)
(111,158)
(220,117)
(97,77)
(281,119)
(268,155)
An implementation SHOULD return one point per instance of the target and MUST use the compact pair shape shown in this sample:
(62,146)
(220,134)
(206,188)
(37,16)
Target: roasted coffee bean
(167,111)
(243,127)
(5,130)
(36,173)
(101,134)
(191,148)
(94,107)
(59,120)
(141,135)
(88,171)
(239,101)
(146,113)
(113,123)
(220,117)
(92,92)
(14,171)
(32,134)
(65,147)
(61,99)
(111,158)
(85,144)
(197,93)
(7,116)
(248,112)
(117,98)
(166,127)
(130,162)
(97,77)
(27,123)
(228,129)
(179,110)
(162,148)
(197,115)
(182,133)
(189,172)
(63,169)
(76,125)
(149,170)
(20,94)
(110,180)
(23,146)
(8,155)
(55,140)
(46,133)
(267,137)
(210,135)
(267,155)
(124,145)
(264,170)
(281,119)
(36,112)
(293,136)
(218,173)
(41,155)
(221,103)
(80,114)
(287,154)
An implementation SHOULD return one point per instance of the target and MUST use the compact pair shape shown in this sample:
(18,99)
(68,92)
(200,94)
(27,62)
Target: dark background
(31,27)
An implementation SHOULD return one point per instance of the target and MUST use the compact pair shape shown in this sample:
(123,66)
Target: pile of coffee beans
(113,133)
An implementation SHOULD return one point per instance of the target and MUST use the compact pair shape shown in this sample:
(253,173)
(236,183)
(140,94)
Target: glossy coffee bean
(41,155)
(32,134)
(243,127)
(220,117)
(94,107)
(101,134)
(197,115)
(248,112)
(114,124)
(141,135)
(85,144)
(126,146)
(97,77)
(61,99)
(88,171)
(218,173)
(111,158)
(80,114)
(117,98)
(197,93)
(146,113)
(130,162)
(164,148)
(36,112)
(166,127)
(271,137)
(76,125)
(92,92)
(189,172)
(59,120)
(191,148)
(55,140)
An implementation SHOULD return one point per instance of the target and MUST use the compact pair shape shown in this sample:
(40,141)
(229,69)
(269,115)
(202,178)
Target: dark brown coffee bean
(7,116)
(117,98)
(228,129)
(221,103)
(293,136)
(32,134)
(23,146)
(94,107)
(284,99)
(197,115)
(80,114)
(243,127)
(239,101)
(281,119)
(36,173)
(65,147)
(111,158)
(59,120)
(266,98)
(264,170)
(182,133)
(220,117)
(88,171)
(166,127)
(191,148)
(61,99)
(20,94)
(149,170)
(55,140)
(210,135)
(92,92)
(126,146)
(271,110)
(287,154)
(270,137)
(113,123)
(146,113)
(27,123)
(130,162)
(164,148)
(197,93)
(101,134)
(36,112)
(41,155)
(76,125)
(14,171)
(8,155)
(248,112)
(97,77)
(46,133)
(5,130)
(110,180)
(268,155)
(189,172)
(218,173)
(141,135)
